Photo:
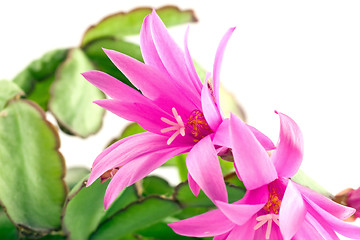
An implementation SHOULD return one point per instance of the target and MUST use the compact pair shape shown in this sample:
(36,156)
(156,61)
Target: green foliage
(32,169)
(123,24)
(38,76)
(139,215)
(72,96)
(187,199)
(84,209)
(94,51)
(7,229)
(74,175)
(8,91)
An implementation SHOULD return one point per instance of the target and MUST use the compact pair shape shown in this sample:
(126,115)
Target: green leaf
(136,216)
(161,231)
(32,169)
(186,198)
(7,228)
(154,185)
(74,175)
(72,96)
(84,210)
(124,24)
(95,52)
(181,166)
(8,91)
(303,179)
(233,179)
(38,76)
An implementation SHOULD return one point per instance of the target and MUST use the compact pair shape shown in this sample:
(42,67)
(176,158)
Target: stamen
(269,218)
(178,127)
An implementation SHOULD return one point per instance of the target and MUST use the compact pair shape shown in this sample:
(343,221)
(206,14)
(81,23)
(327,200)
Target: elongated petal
(210,110)
(311,229)
(148,49)
(222,136)
(146,114)
(204,167)
(130,148)
(217,63)
(246,231)
(239,213)
(250,158)
(110,149)
(170,53)
(337,210)
(190,65)
(137,170)
(340,226)
(153,84)
(243,210)
(262,138)
(194,187)
(208,224)
(292,212)
(289,153)
(112,86)
(222,236)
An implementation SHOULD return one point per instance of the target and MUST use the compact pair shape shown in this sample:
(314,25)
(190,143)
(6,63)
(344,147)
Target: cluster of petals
(179,113)
(274,207)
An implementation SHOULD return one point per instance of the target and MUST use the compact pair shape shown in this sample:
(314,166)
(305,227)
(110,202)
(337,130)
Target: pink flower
(274,207)
(180,113)
(351,198)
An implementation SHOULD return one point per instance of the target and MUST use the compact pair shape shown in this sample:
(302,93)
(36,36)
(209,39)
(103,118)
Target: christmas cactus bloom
(351,198)
(273,207)
(179,112)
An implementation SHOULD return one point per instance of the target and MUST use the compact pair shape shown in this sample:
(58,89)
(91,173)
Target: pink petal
(208,224)
(146,114)
(246,231)
(190,65)
(337,210)
(148,49)
(292,211)
(250,158)
(241,211)
(311,229)
(262,138)
(204,167)
(137,170)
(222,236)
(210,110)
(289,153)
(194,187)
(154,84)
(217,63)
(222,134)
(112,86)
(222,138)
(127,150)
(110,149)
(173,58)
(346,229)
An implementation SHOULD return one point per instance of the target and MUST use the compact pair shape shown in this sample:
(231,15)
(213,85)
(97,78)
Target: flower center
(108,174)
(272,207)
(198,126)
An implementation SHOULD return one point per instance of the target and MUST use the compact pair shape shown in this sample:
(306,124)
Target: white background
(301,58)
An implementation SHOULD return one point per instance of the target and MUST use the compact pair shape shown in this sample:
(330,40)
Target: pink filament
(269,218)
(177,126)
